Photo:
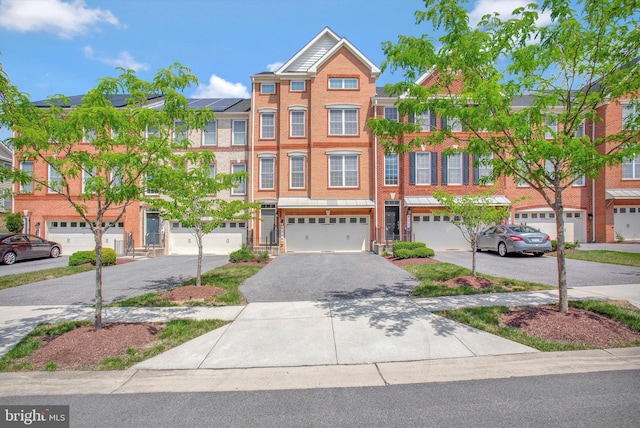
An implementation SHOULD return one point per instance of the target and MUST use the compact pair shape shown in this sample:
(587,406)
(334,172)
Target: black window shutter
(412,168)
(476,170)
(444,169)
(465,168)
(433,120)
(434,167)
(443,122)
(412,118)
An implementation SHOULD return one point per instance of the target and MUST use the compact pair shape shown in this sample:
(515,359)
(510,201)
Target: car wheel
(9,258)
(538,254)
(502,249)
(55,252)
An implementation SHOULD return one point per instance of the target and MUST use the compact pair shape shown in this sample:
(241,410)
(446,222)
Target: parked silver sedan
(514,238)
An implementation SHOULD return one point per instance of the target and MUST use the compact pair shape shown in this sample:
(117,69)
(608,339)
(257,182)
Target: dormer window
(343,83)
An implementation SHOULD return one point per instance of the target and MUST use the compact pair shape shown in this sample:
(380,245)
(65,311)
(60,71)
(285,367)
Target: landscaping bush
(567,245)
(14,222)
(403,254)
(262,256)
(423,252)
(241,255)
(403,245)
(83,257)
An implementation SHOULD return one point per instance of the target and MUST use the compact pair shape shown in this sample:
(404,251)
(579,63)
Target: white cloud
(124,60)
(220,88)
(63,18)
(275,66)
(505,8)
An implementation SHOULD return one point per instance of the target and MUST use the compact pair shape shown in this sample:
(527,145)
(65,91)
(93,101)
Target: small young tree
(190,195)
(471,213)
(566,70)
(116,156)
(14,222)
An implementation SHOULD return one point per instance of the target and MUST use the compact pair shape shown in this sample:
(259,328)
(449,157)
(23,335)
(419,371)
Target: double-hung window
(629,114)
(343,83)
(391,169)
(239,137)
(343,121)
(551,130)
(454,169)
(27,168)
(89,135)
(297,172)
(343,171)
(423,168)
(268,88)
(86,176)
(426,121)
(210,134)
(297,86)
(179,131)
(631,169)
(483,169)
(297,123)
(241,188)
(117,177)
(391,113)
(266,173)
(55,180)
(267,125)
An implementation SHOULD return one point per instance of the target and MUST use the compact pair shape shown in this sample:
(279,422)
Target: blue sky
(53,47)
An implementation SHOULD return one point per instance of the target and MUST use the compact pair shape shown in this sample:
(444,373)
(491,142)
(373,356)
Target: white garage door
(438,233)
(574,223)
(314,234)
(76,236)
(626,222)
(223,240)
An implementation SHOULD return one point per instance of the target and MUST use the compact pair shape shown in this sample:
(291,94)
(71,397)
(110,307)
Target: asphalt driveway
(119,282)
(327,276)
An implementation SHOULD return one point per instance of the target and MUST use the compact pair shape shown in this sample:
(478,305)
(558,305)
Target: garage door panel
(626,222)
(184,242)
(305,236)
(574,224)
(75,238)
(439,235)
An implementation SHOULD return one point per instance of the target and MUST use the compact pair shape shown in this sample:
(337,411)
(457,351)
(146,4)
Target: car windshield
(523,229)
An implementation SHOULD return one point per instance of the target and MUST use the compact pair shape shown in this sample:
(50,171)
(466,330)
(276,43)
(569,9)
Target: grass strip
(606,256)
(227,277)
(17,279)
(431,276)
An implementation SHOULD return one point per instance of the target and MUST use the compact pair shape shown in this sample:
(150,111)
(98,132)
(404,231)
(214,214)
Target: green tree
(190,192)
(118,154)
(471,213)
(14,222)
(586,57)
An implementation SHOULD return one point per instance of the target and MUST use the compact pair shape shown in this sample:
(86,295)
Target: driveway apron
(327,276)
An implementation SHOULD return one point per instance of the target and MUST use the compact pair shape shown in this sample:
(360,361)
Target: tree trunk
(563,302)
(98,317)
(199,236)
(474,248)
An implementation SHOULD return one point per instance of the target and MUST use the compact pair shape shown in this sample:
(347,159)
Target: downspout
(375,172)
(251,175)
(593,191)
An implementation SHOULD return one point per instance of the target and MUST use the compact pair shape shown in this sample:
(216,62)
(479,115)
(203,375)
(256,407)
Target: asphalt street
(120,281)
(572,400)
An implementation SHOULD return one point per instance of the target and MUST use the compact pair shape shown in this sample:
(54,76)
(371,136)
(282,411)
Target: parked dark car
(15,247)
(514,238)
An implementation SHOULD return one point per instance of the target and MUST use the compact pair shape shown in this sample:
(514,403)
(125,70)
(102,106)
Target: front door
(391,223)
(152,236)
(268,226)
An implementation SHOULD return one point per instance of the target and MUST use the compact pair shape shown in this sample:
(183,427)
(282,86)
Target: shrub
(567,245)
(423,252)
(14,222)
(241,255)
(82,257)
(403,253)
(262,256)
(402,245)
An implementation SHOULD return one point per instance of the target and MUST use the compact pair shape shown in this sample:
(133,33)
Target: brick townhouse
(323,182)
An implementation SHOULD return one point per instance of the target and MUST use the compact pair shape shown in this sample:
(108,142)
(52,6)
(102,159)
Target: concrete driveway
(119,282)
(544,270)
(327,276)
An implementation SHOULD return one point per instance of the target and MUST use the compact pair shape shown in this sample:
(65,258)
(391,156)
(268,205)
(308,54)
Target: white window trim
(234,191)
(342,81)
(395,109)
(485,170)
(59,180)
(273,172)
(215,134)
(397,169)
(304,170)
(262,85)
(304,85)
(29,187)
(450,169)
(634,164)
(343,122)
(304,122)
(343,171)
(428,156)
(263,128)
(233,132)
(86,176)
(184,131)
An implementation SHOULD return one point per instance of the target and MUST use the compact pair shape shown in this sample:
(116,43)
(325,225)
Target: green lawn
(432,274)
(488,319)
(227,277)
(606,256)
(8,281)
(174,333)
